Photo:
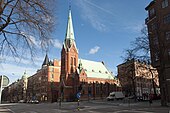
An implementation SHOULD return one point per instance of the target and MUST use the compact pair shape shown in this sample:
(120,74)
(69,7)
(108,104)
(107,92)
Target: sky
(103,29)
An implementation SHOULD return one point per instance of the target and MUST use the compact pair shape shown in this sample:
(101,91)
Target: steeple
(69,38)
(46,61)
(25,75)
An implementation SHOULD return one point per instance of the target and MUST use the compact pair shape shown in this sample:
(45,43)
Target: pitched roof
(95,69)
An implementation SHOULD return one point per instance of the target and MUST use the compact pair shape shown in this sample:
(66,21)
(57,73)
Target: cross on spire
(69,4)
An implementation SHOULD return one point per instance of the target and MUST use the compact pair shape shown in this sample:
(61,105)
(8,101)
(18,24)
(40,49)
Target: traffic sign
(78,95)
(5,81)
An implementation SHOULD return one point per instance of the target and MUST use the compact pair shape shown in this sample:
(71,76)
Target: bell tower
(69,61)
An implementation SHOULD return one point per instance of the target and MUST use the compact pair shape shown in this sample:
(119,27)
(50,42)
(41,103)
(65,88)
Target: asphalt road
(85,107)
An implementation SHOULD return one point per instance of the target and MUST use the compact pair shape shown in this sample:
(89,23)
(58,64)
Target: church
(92,79)
(66,78)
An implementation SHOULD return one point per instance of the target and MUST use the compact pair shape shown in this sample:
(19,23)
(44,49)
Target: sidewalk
(155,103)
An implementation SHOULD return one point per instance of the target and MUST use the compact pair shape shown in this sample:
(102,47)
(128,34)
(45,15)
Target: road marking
(131,111)
(10,110)
(93,112)
(33,112)
(60,110)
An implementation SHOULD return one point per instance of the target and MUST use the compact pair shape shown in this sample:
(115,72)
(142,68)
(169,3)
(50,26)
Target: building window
(155,40)
(166,19)
(97,89)
(169,51)
(167,35)
(71,60)
(153,26)
(156,56)
(152,12)
(164,3)
(74,61)
(51,69)
(52,75)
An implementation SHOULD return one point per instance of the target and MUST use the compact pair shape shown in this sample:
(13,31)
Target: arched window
(74,61)
(71,60)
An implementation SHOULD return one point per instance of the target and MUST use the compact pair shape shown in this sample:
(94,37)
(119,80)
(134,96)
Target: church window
(74,61)
(100,71)
(92,70)
(106,72)
(71,60)
(97,88)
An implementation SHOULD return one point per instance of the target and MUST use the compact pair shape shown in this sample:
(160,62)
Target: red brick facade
(44,85)
(74,80)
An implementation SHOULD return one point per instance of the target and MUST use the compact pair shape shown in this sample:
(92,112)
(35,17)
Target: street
(93,106)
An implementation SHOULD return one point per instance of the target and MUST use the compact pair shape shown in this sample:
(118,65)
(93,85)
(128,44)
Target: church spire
(69,38)
(70,30)
(46,60)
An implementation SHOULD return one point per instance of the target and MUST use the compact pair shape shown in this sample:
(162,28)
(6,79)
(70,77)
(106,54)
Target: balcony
(149,19)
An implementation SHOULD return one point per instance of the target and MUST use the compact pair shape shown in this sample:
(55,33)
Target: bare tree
(139,48)
(140,51)
(24,24)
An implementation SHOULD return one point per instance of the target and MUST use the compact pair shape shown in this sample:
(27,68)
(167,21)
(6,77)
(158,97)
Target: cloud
(15,72)
(94,50)
(90,14)
(14,68)
(101,8)
(22,61)
(57,44)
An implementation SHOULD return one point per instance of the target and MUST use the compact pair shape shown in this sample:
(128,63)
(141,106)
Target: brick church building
(91,78)
(64,79)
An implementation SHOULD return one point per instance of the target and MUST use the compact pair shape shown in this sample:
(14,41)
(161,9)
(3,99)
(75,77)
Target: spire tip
(69,4)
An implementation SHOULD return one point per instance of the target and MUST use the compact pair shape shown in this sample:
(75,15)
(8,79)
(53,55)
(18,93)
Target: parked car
(33,102)
(115,95)
(21,101)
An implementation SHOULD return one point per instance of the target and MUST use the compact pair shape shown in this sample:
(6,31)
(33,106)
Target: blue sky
(102,28)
